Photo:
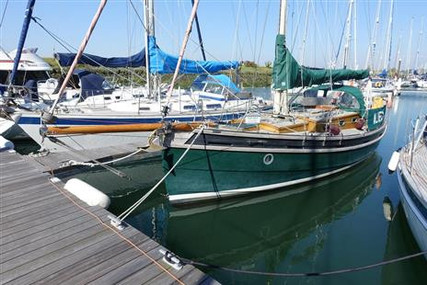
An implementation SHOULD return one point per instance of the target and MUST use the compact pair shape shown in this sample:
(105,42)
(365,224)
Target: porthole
(268,159)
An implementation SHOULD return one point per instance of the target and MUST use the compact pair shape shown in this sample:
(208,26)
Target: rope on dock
(127,212)
(68,196)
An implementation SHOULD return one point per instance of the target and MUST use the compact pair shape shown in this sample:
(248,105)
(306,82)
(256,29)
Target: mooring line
(117,232)
(303,274)
(127,212)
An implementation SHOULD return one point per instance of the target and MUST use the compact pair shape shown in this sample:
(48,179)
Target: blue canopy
(92,83)
(136,60)
(218,79)
(383,73)
(163,63)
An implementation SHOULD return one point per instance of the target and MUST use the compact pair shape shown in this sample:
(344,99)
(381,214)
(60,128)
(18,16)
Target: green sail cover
(288,74)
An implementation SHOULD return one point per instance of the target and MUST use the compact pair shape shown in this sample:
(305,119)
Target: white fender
(6,144)
(87,193)
(394,161)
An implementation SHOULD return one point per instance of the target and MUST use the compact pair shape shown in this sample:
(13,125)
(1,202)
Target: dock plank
(85,270)
(135,265)
(47,237)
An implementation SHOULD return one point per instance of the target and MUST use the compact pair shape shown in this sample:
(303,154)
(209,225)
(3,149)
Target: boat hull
(414,210)
(31,124)
(209,172)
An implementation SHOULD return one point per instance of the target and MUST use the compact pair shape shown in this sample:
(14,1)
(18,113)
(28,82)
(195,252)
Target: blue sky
(231,30)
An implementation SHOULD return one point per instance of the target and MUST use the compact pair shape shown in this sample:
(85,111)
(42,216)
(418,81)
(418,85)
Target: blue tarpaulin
(217,79)
(163,63)
(136,60)
(92,83)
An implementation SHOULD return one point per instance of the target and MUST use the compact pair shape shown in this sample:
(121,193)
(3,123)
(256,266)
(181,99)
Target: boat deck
(56,160)
(49,236)
(418,170)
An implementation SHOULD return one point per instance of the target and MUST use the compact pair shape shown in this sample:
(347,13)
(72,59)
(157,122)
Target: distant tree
(250,64)
(268,64)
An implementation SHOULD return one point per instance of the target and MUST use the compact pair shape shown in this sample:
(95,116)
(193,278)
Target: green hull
(207,174)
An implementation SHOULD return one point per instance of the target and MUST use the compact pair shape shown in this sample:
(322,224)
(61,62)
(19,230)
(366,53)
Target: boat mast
(387,56)
(202,48)
(355,35)
(420,41)
(348,34)
(149,31)
(408,56)
(25,26)
(183,47)
(47,117)
(372,46)
(278,105)
(398,59)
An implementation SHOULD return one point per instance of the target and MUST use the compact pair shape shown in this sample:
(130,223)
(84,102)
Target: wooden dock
(49,236)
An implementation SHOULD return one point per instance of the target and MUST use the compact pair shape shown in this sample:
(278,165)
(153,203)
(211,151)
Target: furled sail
(163,63)
(288,74)
(24,31)
(136,60)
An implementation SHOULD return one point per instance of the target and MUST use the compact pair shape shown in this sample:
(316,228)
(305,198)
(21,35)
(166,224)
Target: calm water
(332,224)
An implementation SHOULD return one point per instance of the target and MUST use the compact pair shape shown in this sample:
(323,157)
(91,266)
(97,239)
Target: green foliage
(249,64)
(249,76)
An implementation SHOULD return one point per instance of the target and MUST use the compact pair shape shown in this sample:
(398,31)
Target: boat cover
(163,63)
(218,79)
(92,83)
(288,74)
(136,60)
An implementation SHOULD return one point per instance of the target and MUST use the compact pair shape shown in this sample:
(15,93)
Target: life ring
(378,84)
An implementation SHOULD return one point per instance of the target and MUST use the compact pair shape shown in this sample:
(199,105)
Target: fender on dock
(6,144)
(87,193)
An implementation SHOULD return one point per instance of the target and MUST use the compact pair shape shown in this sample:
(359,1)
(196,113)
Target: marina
(344,221)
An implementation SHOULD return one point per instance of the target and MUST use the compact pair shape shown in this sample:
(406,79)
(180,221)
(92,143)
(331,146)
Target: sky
(231,29)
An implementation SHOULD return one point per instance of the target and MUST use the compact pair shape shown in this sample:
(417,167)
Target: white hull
(11,131)
(30,123)
(416,221)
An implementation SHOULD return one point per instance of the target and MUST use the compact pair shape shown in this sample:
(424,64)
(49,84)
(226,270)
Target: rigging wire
(263,31)
(71,49)
(4,13)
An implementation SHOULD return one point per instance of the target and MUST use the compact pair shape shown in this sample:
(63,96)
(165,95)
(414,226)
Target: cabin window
(190,107)
(107,98)
(144,108)
(118,97)
(213,106)
(348,101)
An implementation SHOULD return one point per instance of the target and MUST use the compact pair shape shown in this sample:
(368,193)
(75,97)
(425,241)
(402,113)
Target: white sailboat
(132,121)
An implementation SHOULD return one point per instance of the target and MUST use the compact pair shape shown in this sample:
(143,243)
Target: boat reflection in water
(278,232)
(401,242)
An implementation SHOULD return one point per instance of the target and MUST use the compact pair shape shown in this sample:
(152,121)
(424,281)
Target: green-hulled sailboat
(325,128)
